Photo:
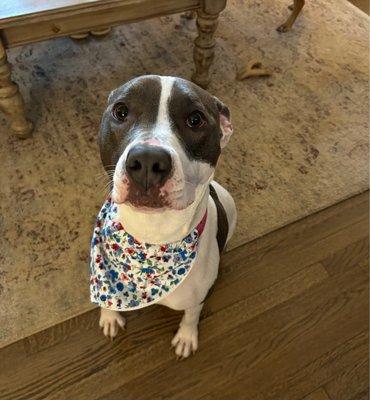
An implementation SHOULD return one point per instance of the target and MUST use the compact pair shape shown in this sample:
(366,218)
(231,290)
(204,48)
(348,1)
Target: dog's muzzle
(148,166)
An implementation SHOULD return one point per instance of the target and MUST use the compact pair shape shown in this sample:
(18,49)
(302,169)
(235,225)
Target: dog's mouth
(150,198)
(167,196)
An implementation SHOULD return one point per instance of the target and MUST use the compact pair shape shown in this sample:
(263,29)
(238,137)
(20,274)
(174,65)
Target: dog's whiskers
(104,184)
(105,173)
(103,179)
(110,165)
(104,176)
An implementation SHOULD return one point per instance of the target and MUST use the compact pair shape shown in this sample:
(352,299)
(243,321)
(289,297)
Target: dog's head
(162,136)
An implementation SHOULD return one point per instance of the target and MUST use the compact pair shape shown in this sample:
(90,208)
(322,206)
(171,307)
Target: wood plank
(60,332)
(258,289)
(273,355)
(356,253)
(274,257)
(311,376)
(81,355)
(351,383)
(318,394)
(283,253)
(363,5)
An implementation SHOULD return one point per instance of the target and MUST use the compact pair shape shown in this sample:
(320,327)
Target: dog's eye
(195,120)
(120,111)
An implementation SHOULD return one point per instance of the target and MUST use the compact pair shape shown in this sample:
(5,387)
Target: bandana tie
(127,274)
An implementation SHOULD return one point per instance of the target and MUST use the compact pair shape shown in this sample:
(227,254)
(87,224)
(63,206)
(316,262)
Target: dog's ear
(225,122)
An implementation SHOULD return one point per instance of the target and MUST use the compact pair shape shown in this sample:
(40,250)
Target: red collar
(202,224)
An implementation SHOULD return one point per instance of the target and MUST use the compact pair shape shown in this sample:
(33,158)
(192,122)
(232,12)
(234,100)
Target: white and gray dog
(160,140)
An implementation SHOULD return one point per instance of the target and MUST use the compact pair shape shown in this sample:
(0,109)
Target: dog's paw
(110,321)
(185,341)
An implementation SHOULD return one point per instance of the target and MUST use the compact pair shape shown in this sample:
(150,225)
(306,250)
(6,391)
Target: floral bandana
(127,274)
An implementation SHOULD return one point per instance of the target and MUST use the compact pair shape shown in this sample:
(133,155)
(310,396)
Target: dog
(160,140)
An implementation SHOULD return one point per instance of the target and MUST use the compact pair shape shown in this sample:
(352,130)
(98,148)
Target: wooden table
(28,21)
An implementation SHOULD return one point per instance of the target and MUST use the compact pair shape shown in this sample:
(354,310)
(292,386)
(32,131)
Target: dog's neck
(164,226)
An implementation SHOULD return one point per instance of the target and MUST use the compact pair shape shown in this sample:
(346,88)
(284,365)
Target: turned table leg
(11,102)
(204,44)
(296,9)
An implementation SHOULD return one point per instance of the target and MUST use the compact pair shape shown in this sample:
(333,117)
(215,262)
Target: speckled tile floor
(300,142)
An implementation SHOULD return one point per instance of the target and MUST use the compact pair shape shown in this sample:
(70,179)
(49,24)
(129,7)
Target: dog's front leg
(186,338)
(110,321)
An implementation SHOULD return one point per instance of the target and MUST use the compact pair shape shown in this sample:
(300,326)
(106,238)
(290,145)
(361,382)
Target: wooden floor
(288,320)
(362,5)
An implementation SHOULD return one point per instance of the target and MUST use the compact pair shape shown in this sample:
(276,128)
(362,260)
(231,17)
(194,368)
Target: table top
(27,21)
(11,10)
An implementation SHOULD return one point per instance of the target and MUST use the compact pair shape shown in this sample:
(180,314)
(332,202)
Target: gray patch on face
(201,143)
(141,96)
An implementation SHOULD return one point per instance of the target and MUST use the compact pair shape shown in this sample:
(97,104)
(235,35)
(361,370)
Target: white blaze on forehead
(162,126)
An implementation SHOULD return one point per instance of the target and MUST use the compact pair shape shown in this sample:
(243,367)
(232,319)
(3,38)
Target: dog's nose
(148,165)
